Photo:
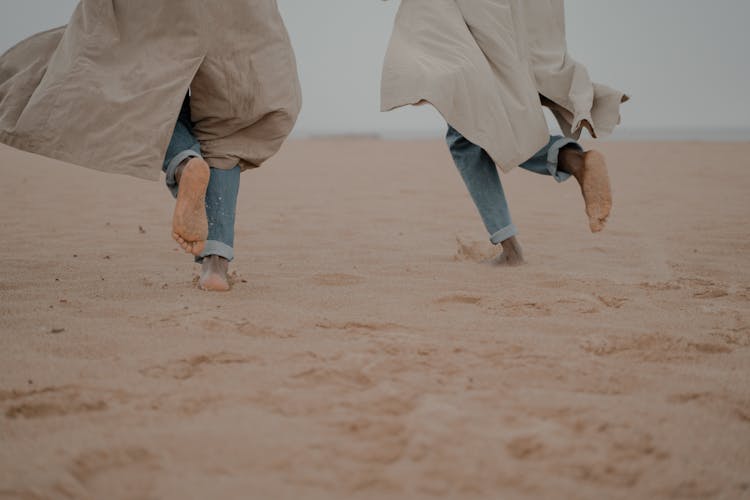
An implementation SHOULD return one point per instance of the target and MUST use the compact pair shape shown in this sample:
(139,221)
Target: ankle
(571,161)
(215,264)
(511,245)
(512,254)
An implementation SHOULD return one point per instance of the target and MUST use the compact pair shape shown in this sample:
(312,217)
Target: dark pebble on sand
(141,230)
(57,330)
(75,255)
(107,257)
(31,382)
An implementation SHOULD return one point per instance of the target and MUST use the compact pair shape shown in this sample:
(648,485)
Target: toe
(180,241)
(597,224)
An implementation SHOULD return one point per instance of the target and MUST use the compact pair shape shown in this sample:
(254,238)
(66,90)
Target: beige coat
(488,66)
(105,91)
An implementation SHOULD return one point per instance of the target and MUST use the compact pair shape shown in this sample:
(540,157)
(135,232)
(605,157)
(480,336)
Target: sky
(683,62)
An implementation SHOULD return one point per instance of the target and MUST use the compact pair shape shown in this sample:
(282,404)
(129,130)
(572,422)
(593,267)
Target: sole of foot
(190,224)
(596,189)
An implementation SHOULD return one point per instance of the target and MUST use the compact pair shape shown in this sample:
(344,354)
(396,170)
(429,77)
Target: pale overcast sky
(684,62)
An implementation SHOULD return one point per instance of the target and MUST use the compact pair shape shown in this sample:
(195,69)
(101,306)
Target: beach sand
(364,351)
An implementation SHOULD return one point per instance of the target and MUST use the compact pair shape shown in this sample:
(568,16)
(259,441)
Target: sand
(364,351)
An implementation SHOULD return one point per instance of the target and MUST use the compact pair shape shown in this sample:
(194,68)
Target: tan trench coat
(105,91)
(488,66)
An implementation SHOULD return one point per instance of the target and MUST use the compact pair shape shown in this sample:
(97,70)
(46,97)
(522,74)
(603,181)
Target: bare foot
(590,170)
(597,192)
(512,254)
(214,274)
(189,224)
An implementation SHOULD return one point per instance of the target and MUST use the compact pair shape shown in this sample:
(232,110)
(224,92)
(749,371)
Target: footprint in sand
(743,414)
(187,368)
(715,293)
(322,376)
(526,309)
(661,286)
(245,328)
(612,302)
(380,441)
(337,279)
(525,448)
(459,299)
(653,347)
(131,469)
(739,408)
(708,348)
(357,325)
(688,397)
(50,402)
(704,288)
(734,337)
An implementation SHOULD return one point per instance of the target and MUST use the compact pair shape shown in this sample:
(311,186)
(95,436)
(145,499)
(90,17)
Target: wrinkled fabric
(489,67)
(105,91)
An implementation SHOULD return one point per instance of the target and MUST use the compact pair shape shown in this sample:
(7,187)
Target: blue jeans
(480,175)
(222,191)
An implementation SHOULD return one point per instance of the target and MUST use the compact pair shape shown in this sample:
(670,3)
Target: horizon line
(640,134)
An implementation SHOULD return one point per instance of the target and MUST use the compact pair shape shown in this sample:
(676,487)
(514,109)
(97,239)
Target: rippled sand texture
(364,351)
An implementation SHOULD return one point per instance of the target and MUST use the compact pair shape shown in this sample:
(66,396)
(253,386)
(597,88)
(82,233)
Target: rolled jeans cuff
(214,247)
(553,157)
(503,234)
(172,169)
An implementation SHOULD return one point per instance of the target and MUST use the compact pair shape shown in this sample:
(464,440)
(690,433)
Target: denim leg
(545,161)
(480,175)
(221,193)
(221,205)
(183,145)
